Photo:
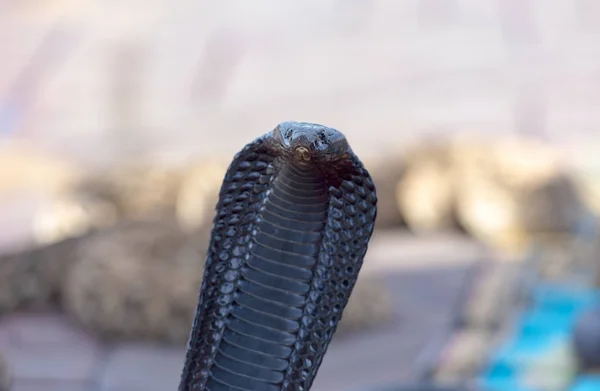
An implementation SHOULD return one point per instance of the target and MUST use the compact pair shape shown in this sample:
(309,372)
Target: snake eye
(323,138)
(322,141)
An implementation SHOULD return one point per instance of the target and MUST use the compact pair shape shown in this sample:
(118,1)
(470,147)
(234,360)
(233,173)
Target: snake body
(294,217)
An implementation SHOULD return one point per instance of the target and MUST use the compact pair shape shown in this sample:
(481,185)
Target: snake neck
(268,315)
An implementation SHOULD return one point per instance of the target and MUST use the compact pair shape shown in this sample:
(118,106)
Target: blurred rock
(492,296)
(31,170)
(589,186)
(557,205)
(137,280)
(32,278)
(510,191)
(424,190)
(386,174)
(370,306)
(199,192)
(71,216)
(564,257)
(138,190)
(143,191)
(425,197)
(489,213)
(503,191)
(464,356)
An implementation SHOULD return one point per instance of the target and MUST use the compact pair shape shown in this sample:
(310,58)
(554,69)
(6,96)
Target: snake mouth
(302,153)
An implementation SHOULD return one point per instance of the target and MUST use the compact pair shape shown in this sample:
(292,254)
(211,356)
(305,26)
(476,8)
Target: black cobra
(294,218)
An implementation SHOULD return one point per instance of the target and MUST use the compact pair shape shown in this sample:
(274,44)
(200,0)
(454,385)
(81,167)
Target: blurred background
(478,120)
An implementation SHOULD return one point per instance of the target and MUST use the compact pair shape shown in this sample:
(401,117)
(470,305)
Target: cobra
(293,221)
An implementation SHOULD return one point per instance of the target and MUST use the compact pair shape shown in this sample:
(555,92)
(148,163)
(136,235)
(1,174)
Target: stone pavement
(49,353)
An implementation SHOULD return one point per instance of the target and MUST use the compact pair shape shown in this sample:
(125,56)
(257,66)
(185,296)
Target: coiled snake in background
(295,215)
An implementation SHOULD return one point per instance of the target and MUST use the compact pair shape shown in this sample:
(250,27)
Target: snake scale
(293,221)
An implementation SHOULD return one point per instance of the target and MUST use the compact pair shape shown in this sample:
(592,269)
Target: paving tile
(45,385)
(397,249)
(5,335)
(142,367)
(66,363)
(44,329)
(423,306)
(45,347)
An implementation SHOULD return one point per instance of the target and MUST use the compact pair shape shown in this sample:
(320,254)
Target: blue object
(545,324)
(586,383)
(549,321)
(520,351)
(493,383)
(535,333)
(563,299)
(423,386)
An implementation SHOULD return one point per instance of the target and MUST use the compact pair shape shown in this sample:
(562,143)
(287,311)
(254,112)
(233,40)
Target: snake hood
(293,221)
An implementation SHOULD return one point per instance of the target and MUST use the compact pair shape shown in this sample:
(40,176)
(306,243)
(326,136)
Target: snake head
(308,142)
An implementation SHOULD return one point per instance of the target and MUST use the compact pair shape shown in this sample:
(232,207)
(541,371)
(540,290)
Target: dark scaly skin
(294,218)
